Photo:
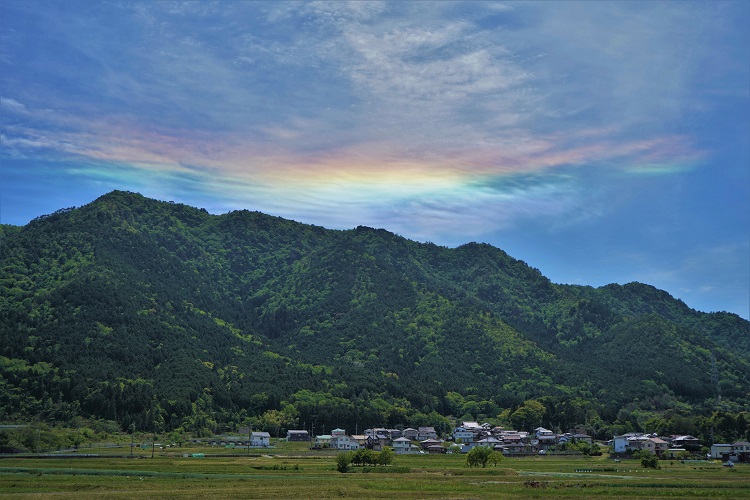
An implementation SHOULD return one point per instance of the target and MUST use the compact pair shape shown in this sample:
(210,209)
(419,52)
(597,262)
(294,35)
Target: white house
(322,441)
(402,445)
(260,439)
(338,432)
(721,451)
(541,431)
(620,443)
(344,442)
(463,435)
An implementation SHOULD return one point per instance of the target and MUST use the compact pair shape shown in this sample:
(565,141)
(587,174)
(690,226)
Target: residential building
(430,442)
(344,442)
(323,441)
(402,446)
(297,435)
(260,439)
(721,451)
(426,433)
(740,451)
(410,433)
(687,442)
(660,446)
(463,435)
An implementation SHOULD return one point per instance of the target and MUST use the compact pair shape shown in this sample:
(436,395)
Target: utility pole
(132,438)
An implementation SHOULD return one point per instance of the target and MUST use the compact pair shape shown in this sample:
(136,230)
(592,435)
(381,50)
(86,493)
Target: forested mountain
(164,317)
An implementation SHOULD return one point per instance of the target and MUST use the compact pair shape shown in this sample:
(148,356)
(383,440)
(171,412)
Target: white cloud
(11,105)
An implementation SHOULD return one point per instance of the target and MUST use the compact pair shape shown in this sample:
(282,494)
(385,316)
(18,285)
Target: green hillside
(162,316)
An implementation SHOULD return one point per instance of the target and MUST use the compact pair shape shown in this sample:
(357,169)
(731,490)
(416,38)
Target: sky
(600,142)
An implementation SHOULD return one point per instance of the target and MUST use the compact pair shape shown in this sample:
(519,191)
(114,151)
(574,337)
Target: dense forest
(158,316)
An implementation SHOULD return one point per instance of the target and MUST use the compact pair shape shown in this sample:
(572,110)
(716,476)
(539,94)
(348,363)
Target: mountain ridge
(131,309)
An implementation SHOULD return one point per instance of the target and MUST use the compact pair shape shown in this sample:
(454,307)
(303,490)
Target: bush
(479,456)
(342,462)
(385,457)
(650,461)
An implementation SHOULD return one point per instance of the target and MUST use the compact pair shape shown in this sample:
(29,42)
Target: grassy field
(290,471)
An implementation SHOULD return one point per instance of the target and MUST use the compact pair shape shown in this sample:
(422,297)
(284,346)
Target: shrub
(650,461)
(342,462)
(478,456)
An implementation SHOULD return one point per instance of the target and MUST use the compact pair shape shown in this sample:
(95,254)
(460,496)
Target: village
(468,435)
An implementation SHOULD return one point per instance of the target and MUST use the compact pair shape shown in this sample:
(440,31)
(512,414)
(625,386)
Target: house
(436,449)
(687,442)
(323,441)
(375,431)
(620,443)
(643,443)
(338,432)
(344,442)
(402,446)
(541,431)
(260,439)
(361,439)
(510,437)
(516,448)
(430,442)
(660,446)
(394,433)
(583,437)
(410,433)
(490,442)
(565,438)
(426,433)
(721,451)
(740,452)
(378,442)
(463,435)
(295,435)
(675,453)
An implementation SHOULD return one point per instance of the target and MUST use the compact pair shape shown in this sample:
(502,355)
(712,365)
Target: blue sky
(601,142)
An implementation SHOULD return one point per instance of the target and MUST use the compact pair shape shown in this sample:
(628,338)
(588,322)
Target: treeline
(160,316)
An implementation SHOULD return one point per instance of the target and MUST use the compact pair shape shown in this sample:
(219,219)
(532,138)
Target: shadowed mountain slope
(161,315)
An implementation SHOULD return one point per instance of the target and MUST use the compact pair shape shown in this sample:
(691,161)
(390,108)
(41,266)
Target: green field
(290,471)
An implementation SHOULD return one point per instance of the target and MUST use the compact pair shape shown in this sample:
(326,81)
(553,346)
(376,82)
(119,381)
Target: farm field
(290,471)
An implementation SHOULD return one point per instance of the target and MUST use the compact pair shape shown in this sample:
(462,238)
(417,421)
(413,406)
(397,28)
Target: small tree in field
(385,457)
(495,458)
(478,456)
(342,462)
(650,461)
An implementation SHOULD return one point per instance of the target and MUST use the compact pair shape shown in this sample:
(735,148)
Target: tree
(385,457)
(528,415)
(495,458)
(650,461)
(479,456)
(342,462)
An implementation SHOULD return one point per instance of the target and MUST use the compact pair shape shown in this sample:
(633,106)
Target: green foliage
(479,456)
(162,317)
(650,461)
(342,462)
(528,416)
(386,456)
